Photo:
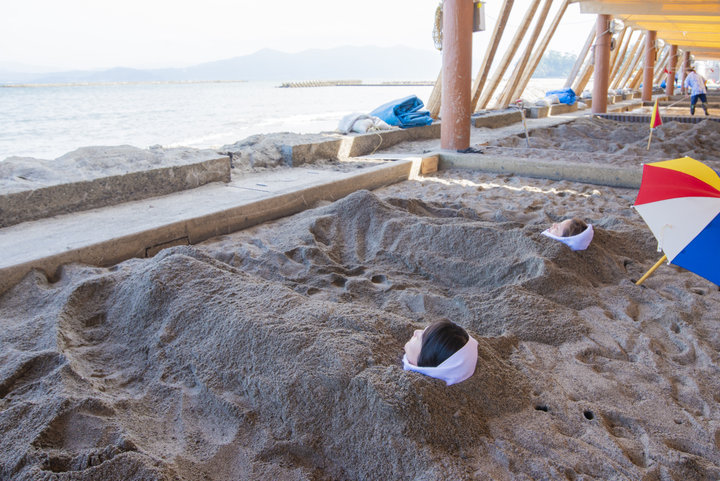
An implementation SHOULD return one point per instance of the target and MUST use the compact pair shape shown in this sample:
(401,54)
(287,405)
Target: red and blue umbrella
(679,200)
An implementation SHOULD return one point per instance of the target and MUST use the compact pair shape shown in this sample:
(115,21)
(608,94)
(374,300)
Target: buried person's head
(575,233)
(568,227)
(443,351)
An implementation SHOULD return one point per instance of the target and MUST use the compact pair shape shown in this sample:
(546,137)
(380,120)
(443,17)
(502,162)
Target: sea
(48,121)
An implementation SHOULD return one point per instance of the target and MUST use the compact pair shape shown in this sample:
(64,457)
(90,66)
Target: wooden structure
(684,26)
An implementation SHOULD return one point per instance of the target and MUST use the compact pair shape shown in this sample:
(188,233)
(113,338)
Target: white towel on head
(454,369)
(578,242)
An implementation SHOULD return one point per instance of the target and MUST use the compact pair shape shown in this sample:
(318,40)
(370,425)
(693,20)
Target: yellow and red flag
(655,120)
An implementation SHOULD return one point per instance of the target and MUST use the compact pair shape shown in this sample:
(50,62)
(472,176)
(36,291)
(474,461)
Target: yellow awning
(692,25)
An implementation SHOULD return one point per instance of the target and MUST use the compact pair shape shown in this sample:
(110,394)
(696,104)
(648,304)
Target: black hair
(576,226)
(441,340)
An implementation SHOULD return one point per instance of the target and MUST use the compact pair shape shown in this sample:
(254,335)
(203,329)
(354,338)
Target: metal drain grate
(686,119)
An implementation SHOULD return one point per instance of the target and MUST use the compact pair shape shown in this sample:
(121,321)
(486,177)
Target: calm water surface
(49,121)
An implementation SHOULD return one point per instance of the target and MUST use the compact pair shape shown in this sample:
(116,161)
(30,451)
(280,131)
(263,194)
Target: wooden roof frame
(692,25)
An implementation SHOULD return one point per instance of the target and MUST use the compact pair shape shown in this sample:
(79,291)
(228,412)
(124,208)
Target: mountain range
(362,63)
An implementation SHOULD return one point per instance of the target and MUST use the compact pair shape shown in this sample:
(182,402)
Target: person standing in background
(696,83)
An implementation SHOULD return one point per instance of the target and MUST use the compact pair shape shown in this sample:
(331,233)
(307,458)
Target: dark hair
(441,340)
(575,227)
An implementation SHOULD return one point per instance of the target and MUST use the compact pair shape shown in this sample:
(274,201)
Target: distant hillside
(361,63)
(379,63)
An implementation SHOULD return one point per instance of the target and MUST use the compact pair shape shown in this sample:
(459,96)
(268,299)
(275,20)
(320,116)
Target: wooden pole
(602,65)
(672,64)
(580,59)
(539,52)
(490,53)
(488,92)
(514,79)
(652,269)
(433,104)
(685,64)
(649,65)
(627,63)
(456,74)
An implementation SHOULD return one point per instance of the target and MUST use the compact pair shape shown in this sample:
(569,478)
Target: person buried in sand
(442,350)
(574,232)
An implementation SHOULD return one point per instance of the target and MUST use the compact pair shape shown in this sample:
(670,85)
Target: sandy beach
(275,352)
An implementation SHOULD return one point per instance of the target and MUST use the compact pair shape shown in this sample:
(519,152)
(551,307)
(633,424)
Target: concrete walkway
(108,235)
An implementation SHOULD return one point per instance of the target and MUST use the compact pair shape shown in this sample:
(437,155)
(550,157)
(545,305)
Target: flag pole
(652,269)
(655,121)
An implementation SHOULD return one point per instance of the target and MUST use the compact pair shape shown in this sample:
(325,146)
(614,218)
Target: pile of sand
(89,163)
(594,139)
(274,353)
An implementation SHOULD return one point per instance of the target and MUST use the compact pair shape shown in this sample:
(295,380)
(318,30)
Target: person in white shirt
(696,83)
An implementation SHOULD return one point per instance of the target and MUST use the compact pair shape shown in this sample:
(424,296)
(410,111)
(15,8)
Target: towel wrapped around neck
(578,242)
(454,369)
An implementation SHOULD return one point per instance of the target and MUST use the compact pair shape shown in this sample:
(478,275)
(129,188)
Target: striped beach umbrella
(679,200)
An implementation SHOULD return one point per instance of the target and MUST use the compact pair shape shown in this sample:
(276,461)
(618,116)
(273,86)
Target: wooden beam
(649,65)
(540,51)
(614,51)
(602,65)
(627,62)
(457,74)
(490,53)
(672,68)
(487,93)
(433,104)
(660,65)
(514,79)
(620,51)
(633,63)
(585,77)
(685,65)
(648,7)
(582,55)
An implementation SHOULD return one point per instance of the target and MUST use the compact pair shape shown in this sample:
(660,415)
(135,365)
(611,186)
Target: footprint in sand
(630,437)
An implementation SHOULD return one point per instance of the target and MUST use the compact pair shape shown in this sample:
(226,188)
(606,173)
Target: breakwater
(355,83)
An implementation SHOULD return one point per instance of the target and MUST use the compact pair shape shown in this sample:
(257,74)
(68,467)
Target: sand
(275,352)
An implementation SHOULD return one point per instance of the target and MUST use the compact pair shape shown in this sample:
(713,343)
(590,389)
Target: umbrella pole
(652,269)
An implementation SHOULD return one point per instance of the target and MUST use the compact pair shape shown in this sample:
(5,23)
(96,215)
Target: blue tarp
(404,112)
(565,96)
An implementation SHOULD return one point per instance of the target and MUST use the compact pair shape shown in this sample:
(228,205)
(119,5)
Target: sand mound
(274,353)
(594,139)
(88,163)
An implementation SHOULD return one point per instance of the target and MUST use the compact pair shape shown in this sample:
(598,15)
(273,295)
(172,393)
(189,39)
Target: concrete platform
(573,171)
(47,201)
(625,106)
(355,145)
(495,119)
(558,109)
(108,235)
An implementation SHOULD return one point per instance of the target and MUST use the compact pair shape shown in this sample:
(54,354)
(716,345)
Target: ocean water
(49,121)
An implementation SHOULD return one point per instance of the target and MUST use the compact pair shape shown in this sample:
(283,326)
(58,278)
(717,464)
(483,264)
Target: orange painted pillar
(456,74)
(601,72)
(649,65)
(685,63)
(672,64)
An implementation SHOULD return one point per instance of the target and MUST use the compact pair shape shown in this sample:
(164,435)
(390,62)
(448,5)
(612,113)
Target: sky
(51,35)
